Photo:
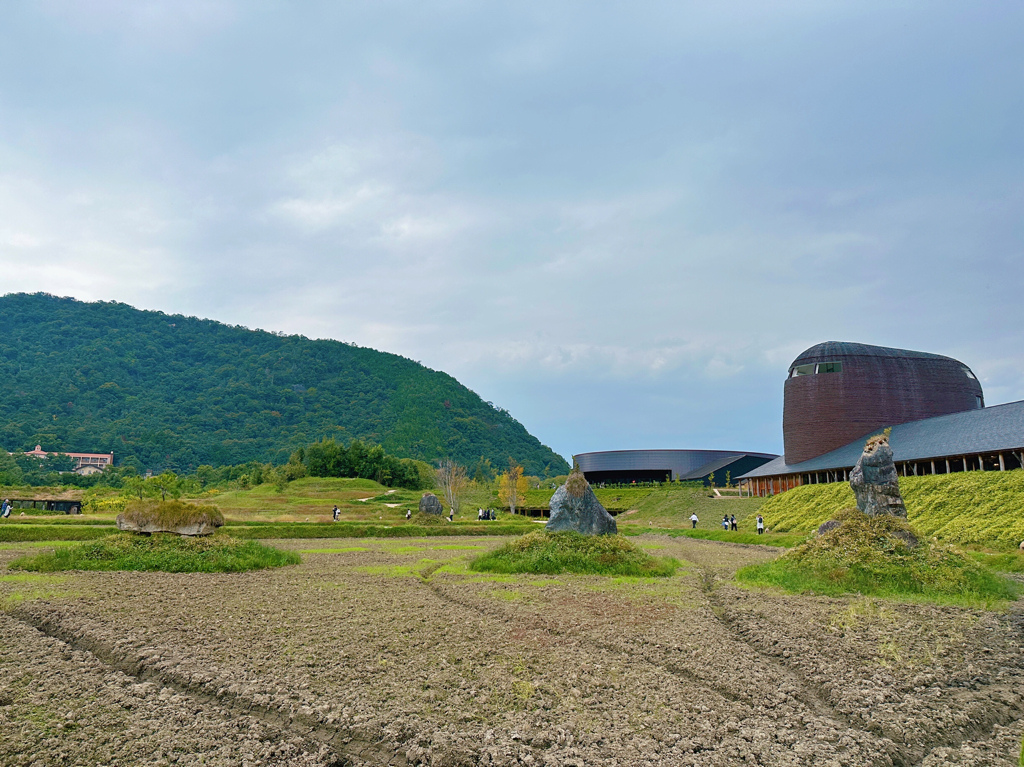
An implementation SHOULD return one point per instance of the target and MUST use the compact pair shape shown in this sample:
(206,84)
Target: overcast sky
(620,221)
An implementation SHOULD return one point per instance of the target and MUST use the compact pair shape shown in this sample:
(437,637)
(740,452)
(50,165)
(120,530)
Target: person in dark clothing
(760,524)
(732,522)
(336,513)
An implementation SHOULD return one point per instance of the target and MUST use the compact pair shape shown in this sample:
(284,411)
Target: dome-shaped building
(837,392)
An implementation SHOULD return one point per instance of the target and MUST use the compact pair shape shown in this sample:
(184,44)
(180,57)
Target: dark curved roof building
(837,392)
(624,466)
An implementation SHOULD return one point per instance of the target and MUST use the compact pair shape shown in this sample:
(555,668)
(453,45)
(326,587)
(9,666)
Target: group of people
(485,514)
(5,508)
(729,522)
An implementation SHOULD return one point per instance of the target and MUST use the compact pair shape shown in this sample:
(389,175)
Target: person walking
(408,514)
(725,522)
(760,524)
(732,523)
(6,508)
(336,513)
(694,520)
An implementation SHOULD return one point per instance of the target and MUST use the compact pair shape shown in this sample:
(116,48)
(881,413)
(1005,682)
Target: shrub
(164,552)
(871,555)
(569,552)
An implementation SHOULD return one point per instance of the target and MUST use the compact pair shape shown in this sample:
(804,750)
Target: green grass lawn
(981,508)
(18,533)
(781,540)
(671,506)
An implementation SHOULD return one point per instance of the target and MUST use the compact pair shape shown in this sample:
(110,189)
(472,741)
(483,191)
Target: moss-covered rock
(169,517)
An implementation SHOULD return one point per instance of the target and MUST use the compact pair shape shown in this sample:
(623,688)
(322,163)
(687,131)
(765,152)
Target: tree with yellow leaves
(512,486)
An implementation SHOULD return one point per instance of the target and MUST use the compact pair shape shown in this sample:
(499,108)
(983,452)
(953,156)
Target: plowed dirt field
(392,653)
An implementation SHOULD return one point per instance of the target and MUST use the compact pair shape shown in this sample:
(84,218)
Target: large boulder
(875,482)
(574,507)
(170,517)
(431,504)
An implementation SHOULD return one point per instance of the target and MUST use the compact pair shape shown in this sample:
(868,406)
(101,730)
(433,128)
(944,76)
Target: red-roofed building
(85,463)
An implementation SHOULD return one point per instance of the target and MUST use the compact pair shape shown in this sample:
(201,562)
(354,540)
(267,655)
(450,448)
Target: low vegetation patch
(975,507)
(783,540)
(566,552)
(21,533)
(872,556)
(363,530)
(164,552)
(1004,563)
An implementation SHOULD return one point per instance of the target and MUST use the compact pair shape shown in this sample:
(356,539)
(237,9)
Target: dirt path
(391,652)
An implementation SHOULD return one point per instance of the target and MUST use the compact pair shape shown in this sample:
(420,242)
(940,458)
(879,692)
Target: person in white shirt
(694,520)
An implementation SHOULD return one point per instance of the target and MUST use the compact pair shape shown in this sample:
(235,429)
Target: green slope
(176,392)
(976,507)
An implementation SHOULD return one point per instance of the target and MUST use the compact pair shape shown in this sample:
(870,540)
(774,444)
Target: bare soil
(391,652)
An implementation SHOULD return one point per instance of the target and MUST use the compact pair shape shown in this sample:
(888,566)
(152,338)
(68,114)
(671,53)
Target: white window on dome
(801,370)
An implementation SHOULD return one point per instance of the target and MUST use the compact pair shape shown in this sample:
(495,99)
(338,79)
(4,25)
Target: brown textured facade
(875,387)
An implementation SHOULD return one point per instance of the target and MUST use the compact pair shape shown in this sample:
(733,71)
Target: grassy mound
(171,514)
(164,552)
(984,508)
(553,553)
(866,555)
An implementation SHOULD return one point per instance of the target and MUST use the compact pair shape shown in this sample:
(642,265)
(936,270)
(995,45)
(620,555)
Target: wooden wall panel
(876,388)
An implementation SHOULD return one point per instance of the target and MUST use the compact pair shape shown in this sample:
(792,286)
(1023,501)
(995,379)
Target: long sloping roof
(987,430)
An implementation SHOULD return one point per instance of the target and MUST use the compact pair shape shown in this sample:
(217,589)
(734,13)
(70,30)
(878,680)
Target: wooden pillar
(965,463)
(1002,463)
(948,469)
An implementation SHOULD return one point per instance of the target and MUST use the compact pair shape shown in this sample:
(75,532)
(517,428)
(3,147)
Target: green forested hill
(176,392)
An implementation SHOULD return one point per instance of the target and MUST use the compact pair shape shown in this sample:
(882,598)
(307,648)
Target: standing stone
(875,482)
(575,507)
(431,504)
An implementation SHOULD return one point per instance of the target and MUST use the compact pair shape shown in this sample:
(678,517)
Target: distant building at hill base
(85,463)
(626,466)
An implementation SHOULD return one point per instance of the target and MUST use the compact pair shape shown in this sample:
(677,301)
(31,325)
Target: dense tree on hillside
(171,392)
